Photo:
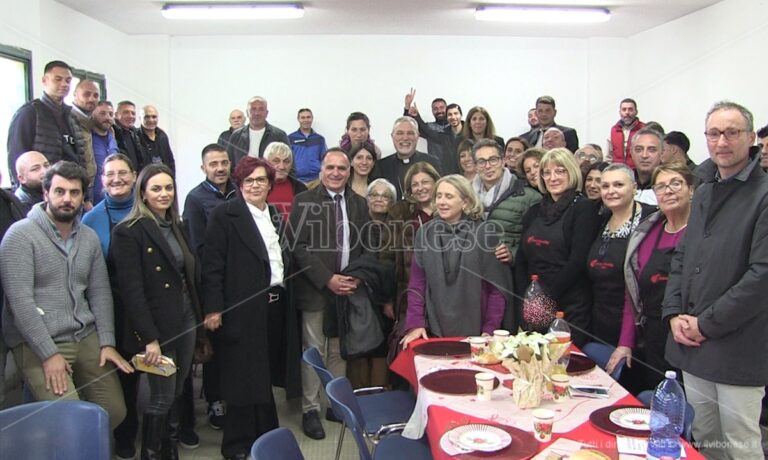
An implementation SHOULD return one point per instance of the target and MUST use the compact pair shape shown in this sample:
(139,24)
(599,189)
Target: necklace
(666,228)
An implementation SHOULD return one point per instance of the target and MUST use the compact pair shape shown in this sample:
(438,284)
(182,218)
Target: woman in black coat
(245,303)
(155,272)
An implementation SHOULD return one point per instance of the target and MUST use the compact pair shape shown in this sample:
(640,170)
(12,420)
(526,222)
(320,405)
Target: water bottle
(538,307)
(562,332)
(667,419)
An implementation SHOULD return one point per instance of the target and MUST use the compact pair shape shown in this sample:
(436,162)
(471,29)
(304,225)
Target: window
(15,90)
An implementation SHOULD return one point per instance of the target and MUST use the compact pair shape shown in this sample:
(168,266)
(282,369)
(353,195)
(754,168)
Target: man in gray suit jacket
(326,231)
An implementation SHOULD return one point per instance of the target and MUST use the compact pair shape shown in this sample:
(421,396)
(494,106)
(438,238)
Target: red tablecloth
(442,418)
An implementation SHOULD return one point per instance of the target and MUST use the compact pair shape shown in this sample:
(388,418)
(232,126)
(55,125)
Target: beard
(64,215)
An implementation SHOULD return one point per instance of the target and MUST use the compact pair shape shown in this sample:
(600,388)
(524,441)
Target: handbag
(203,351)
(397,333)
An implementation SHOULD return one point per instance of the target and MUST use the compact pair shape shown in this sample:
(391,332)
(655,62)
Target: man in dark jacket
(46,124)
(236,121)
(155,141)
(324,232)
(254,138)
(31,167)
(715,299)
(546,112)
(127,136)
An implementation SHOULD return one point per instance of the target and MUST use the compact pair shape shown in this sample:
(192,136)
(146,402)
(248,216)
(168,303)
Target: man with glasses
(405,136)
(715,300)
(590,153)
(646,155)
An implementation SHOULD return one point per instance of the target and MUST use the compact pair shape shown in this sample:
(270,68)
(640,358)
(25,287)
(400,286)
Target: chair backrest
(600,354)
(646,397)
(276,444)
(55,429)
(344,403)
(312,357)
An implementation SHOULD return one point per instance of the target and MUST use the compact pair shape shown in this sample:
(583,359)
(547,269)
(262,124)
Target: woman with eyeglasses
(456,287)
(557,235)
(646,270)
(157,280)
(605,262)
(246,305)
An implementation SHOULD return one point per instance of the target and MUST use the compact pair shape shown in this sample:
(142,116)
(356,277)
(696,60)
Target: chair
(384,410)
(55,429)
(276,444)
(646,397)
(600,354)
(345,404)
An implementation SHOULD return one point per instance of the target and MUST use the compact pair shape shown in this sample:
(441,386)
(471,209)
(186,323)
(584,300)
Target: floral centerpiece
(532,358)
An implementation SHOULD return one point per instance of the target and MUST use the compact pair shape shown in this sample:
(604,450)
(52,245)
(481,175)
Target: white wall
(675,71)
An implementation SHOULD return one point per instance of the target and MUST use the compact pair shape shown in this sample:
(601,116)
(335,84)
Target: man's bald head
(86,95)
(30,169)
(149,117)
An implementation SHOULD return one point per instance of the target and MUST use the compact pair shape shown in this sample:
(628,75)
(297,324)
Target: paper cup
(543,419)
(560,391)
(501,334)
(477,347)
(484,382)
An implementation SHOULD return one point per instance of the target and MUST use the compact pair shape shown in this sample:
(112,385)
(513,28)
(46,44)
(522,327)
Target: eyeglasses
(547,173)
(379,196)
(123,174)
(493,161)
(250,181)
(583,156)
(713,135)
(675,185)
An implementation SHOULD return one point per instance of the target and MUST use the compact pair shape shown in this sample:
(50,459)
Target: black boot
(170,443)
(153,430)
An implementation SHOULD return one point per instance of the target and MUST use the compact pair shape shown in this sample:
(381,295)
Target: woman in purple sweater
(457,287)
(646,270)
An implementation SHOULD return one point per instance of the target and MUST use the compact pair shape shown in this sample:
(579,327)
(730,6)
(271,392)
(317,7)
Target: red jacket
(619,155)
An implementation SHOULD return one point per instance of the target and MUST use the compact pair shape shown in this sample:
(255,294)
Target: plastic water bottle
(538,307)
(562,332)
(667,419)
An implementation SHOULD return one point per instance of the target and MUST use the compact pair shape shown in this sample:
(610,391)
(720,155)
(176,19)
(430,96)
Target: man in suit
(545,112)
(324,232)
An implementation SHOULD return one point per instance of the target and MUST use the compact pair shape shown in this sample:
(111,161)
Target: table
(443,412)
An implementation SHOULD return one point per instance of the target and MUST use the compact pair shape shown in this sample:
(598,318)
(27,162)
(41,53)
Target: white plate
(450,448)
(633,418)
(478,437)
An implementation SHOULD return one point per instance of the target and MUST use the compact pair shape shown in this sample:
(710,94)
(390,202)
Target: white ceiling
(390,17)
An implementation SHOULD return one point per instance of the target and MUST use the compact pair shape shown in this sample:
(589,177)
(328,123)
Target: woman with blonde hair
(457,286)
(557,235)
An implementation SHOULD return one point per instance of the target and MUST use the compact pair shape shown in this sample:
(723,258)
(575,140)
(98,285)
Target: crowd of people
(288,244)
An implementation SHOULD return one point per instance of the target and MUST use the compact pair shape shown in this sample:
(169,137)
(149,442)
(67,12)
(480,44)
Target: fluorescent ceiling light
(552,14)
(216,11)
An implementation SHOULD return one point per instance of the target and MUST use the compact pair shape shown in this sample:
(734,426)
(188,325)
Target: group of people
(287,244)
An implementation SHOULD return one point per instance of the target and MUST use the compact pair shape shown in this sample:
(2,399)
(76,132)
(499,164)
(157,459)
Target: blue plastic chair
(384,410)
(646,397)
(600,354)
(345,404)
(62,429)
(276,444)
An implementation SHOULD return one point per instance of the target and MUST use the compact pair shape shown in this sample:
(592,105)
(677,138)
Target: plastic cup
(477,347)
(560,391)
(543,419)
(484,381)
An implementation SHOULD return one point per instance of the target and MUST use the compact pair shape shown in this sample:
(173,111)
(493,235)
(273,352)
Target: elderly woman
(512,153)
(530,164)
(285,186)
(605,261)
(245,304)
(457,286)
(466,162)
(479,125)
(646,269)
(155,271)
(557,235)
(362,158)
(371,370)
